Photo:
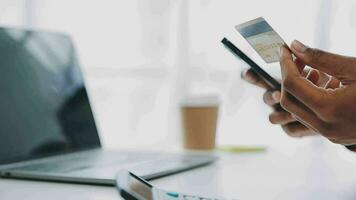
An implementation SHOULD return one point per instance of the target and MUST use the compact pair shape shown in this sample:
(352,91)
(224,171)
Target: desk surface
(310,173)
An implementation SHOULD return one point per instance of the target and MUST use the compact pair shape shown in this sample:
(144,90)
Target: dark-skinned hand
(328,110)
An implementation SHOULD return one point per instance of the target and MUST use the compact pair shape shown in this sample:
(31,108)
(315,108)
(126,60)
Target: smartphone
(132,187)
(254,66)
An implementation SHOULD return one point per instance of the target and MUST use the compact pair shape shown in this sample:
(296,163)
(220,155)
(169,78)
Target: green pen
(241,149)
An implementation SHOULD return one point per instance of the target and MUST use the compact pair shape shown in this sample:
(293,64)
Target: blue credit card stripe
(255,29)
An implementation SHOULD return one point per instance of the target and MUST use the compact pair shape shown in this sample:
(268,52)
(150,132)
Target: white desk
(311,173)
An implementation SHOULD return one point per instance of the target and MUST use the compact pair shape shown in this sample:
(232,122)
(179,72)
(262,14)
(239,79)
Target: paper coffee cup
(199,121)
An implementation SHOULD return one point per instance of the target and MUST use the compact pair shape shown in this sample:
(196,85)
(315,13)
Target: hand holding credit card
(262,37)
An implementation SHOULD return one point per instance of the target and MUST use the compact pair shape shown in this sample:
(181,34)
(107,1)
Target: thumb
(341,67)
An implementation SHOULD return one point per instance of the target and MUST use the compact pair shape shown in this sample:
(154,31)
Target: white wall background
(141,57)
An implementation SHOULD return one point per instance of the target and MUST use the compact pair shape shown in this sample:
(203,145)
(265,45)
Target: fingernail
(298,46)
(244,76)
(243,72)
(276,95)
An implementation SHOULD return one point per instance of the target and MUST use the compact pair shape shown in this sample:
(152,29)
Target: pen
(241,149)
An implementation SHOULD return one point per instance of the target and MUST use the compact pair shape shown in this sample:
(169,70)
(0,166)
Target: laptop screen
(44,107)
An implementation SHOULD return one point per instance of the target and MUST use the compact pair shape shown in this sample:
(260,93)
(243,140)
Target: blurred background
(142,57)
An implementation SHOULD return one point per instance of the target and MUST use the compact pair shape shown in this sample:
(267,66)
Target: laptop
(47,127)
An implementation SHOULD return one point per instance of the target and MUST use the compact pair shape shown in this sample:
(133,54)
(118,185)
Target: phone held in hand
(254,66)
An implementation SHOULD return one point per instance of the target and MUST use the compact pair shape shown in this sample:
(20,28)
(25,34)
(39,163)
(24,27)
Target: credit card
(261,36)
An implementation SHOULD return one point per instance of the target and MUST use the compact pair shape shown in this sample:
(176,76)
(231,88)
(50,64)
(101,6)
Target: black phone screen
(255,67)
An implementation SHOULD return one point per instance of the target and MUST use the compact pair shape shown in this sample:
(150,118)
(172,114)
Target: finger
(335,65)
(305,72)
(281,117)
(333,83)
(313,76)
(298,86)
(323,78)
(251,77)
(345,142)
(300,64)
(300,111)
(296,129)
(271,97)
(318,78)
